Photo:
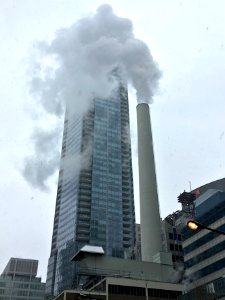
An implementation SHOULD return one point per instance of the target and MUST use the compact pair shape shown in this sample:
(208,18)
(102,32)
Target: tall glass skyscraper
(95,202)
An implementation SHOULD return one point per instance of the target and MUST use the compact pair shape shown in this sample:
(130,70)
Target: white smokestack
(149,207)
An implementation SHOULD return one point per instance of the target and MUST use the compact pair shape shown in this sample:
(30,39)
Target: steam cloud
(75,67)
(39,166)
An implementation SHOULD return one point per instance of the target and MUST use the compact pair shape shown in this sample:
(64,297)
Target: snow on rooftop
(92,249)
(88,249)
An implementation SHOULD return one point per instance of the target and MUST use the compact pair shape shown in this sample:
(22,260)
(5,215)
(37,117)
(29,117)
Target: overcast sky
(186,38)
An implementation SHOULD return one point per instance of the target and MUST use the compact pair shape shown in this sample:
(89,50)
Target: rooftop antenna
(190,185)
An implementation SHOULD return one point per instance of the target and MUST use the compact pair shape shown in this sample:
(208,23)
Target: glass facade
(95,203)
(210,291)
(204,253)
(140,292)
(19,282)
(25,288)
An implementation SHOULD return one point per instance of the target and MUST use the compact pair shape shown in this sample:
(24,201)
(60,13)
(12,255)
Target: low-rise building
(137,249)
(112,278)
(19,281)
(171,241)
(120,288)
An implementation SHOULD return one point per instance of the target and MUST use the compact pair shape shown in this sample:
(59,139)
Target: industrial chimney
(151,243)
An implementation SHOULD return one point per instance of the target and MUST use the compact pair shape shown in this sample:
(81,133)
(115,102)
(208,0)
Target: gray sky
(186,38)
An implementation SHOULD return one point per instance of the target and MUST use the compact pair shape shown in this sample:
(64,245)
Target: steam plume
(76,66)
(45,161)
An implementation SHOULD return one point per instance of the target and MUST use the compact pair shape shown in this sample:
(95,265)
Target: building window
(174,233)
(171,246)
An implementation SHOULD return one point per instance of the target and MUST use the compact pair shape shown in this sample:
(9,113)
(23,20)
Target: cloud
(45,160)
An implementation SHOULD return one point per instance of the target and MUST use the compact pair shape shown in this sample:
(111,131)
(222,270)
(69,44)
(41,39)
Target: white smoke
(45,160)
(77,65)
